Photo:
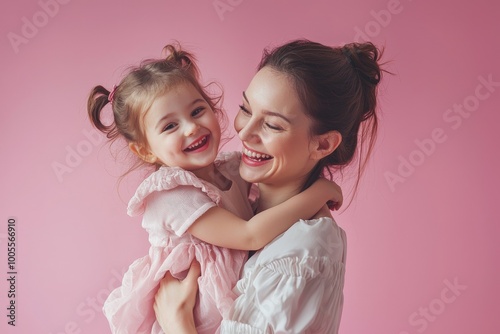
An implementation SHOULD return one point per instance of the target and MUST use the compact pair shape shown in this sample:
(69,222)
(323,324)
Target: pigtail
(98,99)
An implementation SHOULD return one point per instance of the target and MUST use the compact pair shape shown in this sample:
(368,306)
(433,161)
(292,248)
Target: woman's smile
(254,158)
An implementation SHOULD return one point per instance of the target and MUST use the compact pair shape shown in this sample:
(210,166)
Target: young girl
(194,206)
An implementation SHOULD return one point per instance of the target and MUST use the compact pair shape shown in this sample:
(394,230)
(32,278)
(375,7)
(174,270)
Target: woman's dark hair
(338,89)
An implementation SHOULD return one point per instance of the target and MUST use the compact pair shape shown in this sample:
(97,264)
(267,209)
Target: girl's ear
(142,152)
(323,145)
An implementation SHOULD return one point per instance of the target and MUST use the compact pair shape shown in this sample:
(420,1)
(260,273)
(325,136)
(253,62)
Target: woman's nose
(248,131)
(191,129)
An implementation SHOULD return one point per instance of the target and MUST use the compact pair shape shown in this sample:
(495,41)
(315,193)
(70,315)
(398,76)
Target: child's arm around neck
(222,228)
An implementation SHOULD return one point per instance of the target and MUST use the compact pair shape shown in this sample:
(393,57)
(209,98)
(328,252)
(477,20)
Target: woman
(311,108)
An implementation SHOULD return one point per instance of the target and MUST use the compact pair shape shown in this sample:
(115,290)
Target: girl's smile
(200,145)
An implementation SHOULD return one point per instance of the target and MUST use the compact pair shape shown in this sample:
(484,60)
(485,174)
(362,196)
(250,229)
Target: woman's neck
(272,195)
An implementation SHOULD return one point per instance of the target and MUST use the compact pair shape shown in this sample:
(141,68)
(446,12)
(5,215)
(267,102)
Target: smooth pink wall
(423,231)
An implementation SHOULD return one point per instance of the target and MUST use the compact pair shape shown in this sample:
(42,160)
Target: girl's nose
(191,129)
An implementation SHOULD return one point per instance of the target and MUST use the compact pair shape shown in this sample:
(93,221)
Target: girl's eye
(244,110)
(197,111)
(169,126)
(274,127)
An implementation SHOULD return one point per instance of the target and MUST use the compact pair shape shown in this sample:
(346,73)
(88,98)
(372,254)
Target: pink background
(435,225)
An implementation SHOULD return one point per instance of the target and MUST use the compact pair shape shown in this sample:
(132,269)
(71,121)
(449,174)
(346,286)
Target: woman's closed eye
(273,126)
(245,110)
(269,125)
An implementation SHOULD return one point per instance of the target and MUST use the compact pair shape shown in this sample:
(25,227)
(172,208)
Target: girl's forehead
(174,99)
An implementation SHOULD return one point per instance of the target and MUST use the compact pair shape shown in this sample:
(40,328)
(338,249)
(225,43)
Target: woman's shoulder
(318,228)
(324,212)
(165,179)
(312,238)
(308,249)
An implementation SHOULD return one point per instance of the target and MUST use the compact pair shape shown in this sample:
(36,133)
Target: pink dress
(171,199)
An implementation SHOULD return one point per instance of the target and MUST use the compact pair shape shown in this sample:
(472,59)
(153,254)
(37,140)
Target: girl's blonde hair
(136,92)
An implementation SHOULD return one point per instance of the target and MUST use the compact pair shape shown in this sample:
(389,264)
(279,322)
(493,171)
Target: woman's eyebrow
(268,112)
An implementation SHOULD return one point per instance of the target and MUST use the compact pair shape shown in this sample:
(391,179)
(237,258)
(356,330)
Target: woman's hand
(175,300)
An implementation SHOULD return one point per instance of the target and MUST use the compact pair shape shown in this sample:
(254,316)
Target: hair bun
(364,59)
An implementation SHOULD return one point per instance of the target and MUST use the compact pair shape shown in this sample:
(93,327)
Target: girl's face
(274,130)
(181,129)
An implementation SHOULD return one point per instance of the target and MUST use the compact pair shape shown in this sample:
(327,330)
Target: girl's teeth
(196,144)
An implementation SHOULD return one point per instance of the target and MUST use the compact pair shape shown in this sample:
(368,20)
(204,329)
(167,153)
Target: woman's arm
(176,315)
(222,228)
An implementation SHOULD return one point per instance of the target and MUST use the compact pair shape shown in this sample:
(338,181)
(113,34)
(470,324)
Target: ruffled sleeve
(175,199)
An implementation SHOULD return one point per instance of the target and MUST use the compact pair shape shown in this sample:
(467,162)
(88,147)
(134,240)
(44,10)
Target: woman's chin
(253,174)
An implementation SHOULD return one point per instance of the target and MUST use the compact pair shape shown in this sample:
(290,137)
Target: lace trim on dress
(167,178)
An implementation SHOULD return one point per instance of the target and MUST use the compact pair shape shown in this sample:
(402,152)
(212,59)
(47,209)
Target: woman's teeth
(255,155)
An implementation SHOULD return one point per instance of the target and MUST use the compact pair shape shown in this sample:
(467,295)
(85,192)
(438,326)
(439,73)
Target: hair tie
(111,95)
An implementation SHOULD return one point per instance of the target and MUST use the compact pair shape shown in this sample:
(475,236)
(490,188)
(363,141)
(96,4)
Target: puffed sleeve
(175,198)
(178,208)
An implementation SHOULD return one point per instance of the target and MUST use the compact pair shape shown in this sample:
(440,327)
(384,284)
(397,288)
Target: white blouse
(294,284)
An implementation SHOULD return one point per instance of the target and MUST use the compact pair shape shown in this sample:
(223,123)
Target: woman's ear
(323,145)
(142,152)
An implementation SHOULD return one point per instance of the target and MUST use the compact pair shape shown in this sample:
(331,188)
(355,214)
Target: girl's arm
(222,228)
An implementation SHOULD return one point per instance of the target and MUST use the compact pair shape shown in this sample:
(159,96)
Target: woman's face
(274,130)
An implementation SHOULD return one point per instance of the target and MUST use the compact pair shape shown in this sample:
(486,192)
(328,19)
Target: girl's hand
(175,300)
(334,193)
